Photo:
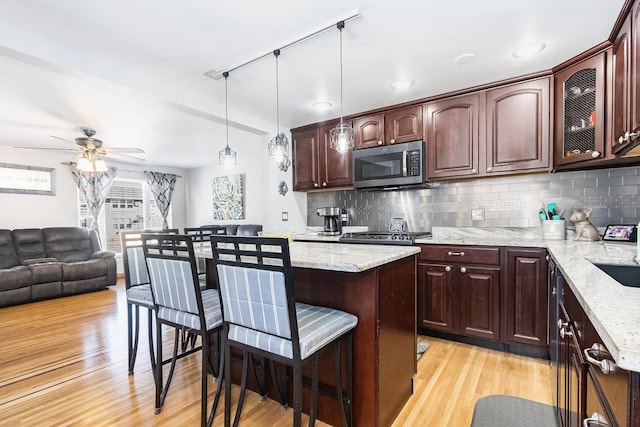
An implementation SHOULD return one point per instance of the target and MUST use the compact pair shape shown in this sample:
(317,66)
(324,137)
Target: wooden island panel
(384,342)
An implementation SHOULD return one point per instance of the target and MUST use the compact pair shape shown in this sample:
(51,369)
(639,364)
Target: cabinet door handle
(598,350)
(315,184)
(562,324)
(447,268)
(489,169)
(379,142)
(324,184)
(564,333)
(393,141)
(595,154)
(463,270)
(623,138)
(595,418)
(455,253)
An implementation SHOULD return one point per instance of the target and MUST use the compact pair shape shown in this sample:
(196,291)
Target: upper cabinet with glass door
(579,109)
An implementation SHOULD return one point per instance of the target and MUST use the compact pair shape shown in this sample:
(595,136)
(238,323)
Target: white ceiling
(134,70)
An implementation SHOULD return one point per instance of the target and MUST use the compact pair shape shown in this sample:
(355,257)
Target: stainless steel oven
(393,165)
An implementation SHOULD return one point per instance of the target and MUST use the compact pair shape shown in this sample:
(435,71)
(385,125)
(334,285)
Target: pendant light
(227,157)
(342,136)
(279,144)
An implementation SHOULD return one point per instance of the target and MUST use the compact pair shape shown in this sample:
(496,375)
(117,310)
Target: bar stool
(261,316)
(138,291)
(181,303)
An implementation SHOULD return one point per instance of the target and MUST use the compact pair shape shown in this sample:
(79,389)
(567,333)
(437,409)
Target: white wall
(263,204)
(61,210)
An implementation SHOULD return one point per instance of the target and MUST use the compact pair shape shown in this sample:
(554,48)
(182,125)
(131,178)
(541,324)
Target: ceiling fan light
(100,165)
(85,165)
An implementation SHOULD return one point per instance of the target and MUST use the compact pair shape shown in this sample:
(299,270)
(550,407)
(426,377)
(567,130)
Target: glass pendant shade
(342,137)
(279,147)
(227,157)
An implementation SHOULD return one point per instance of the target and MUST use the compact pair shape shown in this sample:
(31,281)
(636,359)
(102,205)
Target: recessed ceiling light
(528,50)
(321,106)
(402,84)
(464,58)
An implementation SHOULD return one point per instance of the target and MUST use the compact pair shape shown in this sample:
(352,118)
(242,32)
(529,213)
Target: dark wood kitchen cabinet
(518,130)
(315,164)
(389,127)
(452,136)
(580,112)
(625,102)
(590,389)
(495,132)
(459,289)
(526,296)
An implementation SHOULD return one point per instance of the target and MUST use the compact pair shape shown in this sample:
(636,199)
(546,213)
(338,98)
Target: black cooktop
(384,237)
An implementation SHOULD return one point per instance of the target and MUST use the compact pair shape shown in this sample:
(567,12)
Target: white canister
(554,229)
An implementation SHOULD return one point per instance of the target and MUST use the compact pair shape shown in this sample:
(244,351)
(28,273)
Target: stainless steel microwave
(389,165)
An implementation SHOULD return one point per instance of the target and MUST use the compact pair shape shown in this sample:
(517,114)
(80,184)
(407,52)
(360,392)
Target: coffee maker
(332,221)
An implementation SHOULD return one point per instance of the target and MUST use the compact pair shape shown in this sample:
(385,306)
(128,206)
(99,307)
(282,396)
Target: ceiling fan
(90,151)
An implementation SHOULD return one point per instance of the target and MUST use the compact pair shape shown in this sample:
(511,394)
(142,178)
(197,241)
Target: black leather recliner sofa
(43,263)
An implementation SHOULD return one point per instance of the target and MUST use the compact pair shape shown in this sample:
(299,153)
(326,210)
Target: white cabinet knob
(393,141)
(595,154)
(379,142)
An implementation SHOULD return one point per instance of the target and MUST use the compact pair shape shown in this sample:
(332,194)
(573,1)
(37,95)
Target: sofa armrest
(102,255)
(38,261)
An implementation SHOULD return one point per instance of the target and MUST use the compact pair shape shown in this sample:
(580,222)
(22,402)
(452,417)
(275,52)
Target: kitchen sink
(627,275)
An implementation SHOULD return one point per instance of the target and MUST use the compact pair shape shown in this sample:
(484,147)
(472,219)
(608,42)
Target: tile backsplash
(509,201)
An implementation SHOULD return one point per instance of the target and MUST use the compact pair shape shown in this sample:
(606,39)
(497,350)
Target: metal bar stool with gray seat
(261,316)
(138,291)
(181,303)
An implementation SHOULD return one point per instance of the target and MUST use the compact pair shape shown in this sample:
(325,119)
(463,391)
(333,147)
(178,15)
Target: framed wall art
(20,179)
(228,197)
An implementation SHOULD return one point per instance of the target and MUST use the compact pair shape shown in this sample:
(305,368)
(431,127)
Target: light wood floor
(64,362)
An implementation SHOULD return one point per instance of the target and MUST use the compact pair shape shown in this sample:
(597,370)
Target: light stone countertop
(613,309)
(350,258)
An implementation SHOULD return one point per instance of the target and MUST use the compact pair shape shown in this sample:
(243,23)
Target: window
(128,206)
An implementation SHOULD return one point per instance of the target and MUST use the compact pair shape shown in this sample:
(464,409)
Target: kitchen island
(377,284)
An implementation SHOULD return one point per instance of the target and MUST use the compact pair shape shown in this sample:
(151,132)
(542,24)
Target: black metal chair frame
(131,239)
(232,250)
(180,247)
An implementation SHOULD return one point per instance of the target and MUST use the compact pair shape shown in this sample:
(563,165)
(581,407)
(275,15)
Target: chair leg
(314,391)
(243,386)
(220,379)
(227,384)
(150,320)
(349,393)
(132,335)
(297,393)
(161,391)
(261,380)
(282,391)
(338,370)
(158,370)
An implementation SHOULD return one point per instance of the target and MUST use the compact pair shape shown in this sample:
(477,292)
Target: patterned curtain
(162,185)
(94,187)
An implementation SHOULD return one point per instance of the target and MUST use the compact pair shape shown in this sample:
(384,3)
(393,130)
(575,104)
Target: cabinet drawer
(460,254)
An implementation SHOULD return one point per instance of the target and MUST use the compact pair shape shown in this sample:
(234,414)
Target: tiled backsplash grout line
(508,201)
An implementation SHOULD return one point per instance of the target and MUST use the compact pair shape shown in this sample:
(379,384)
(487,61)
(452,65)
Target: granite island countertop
(349,258)
(613,309)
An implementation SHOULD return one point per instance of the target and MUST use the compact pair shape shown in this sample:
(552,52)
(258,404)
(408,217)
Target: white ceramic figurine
(584,229)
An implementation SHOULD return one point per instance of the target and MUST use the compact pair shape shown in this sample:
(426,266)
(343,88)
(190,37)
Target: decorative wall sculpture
(228,197)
